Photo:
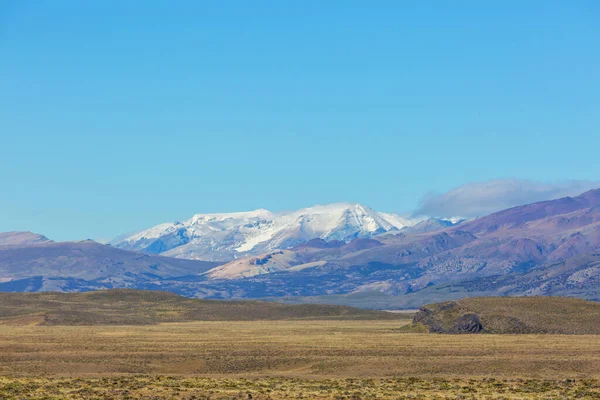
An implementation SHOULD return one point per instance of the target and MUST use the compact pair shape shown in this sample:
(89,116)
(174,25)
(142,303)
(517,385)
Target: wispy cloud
(481,198)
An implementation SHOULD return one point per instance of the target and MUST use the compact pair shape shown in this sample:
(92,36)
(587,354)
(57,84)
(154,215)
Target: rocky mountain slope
(550,247)
(224,237)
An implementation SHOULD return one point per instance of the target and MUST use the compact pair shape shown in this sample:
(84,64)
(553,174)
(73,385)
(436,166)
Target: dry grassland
(291,359)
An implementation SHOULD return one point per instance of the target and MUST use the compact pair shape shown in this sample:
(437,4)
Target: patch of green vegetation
(417,327)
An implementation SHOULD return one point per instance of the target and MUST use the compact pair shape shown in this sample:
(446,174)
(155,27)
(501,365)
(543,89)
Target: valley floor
(291,359)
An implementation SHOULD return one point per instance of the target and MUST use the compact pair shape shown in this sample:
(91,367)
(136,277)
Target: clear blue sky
(117,115)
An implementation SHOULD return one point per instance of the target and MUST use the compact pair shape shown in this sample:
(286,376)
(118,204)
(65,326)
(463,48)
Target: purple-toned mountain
(21,239)
(558,214)
(31,264)
(502,253)
(545,248)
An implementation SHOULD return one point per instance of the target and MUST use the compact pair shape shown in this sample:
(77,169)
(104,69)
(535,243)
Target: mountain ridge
(228,236)
(86,265)
(18,238)
(544,248)
(536,249)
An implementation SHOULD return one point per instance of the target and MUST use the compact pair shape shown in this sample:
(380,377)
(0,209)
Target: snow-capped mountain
(224,237)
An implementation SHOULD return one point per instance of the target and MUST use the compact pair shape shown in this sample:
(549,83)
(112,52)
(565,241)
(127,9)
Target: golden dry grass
(146,307)
(195,388)
(291,348)
(280,359)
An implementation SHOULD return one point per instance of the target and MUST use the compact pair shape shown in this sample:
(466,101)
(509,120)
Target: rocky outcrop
(447,318)
(510,315)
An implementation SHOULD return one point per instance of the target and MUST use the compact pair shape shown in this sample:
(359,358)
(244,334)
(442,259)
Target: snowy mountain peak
(260,213)
(226,236)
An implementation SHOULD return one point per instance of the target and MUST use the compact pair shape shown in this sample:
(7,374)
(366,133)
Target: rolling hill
(21,239)
(132,307)
(87,265)
(511,315)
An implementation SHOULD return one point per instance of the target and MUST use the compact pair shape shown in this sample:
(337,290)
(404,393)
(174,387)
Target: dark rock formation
(510,315)
(467,323)
(447,318)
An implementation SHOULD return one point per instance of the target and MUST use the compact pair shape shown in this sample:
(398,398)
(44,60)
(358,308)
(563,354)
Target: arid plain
(313,359)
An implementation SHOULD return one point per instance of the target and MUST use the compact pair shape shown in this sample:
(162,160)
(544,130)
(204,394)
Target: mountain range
(545,248)
(224,237)
(342,253)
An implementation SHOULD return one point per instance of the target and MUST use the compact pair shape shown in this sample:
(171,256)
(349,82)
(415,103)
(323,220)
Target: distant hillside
(21,238)
(549,248)
(133,307)
(85,266)
(511,315)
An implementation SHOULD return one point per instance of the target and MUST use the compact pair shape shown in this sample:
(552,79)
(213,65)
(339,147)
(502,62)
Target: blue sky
(115,116)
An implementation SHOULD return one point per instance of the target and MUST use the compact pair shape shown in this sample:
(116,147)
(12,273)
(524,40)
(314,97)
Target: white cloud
(482,198)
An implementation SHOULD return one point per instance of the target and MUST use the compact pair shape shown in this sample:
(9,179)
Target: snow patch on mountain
(224,237)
